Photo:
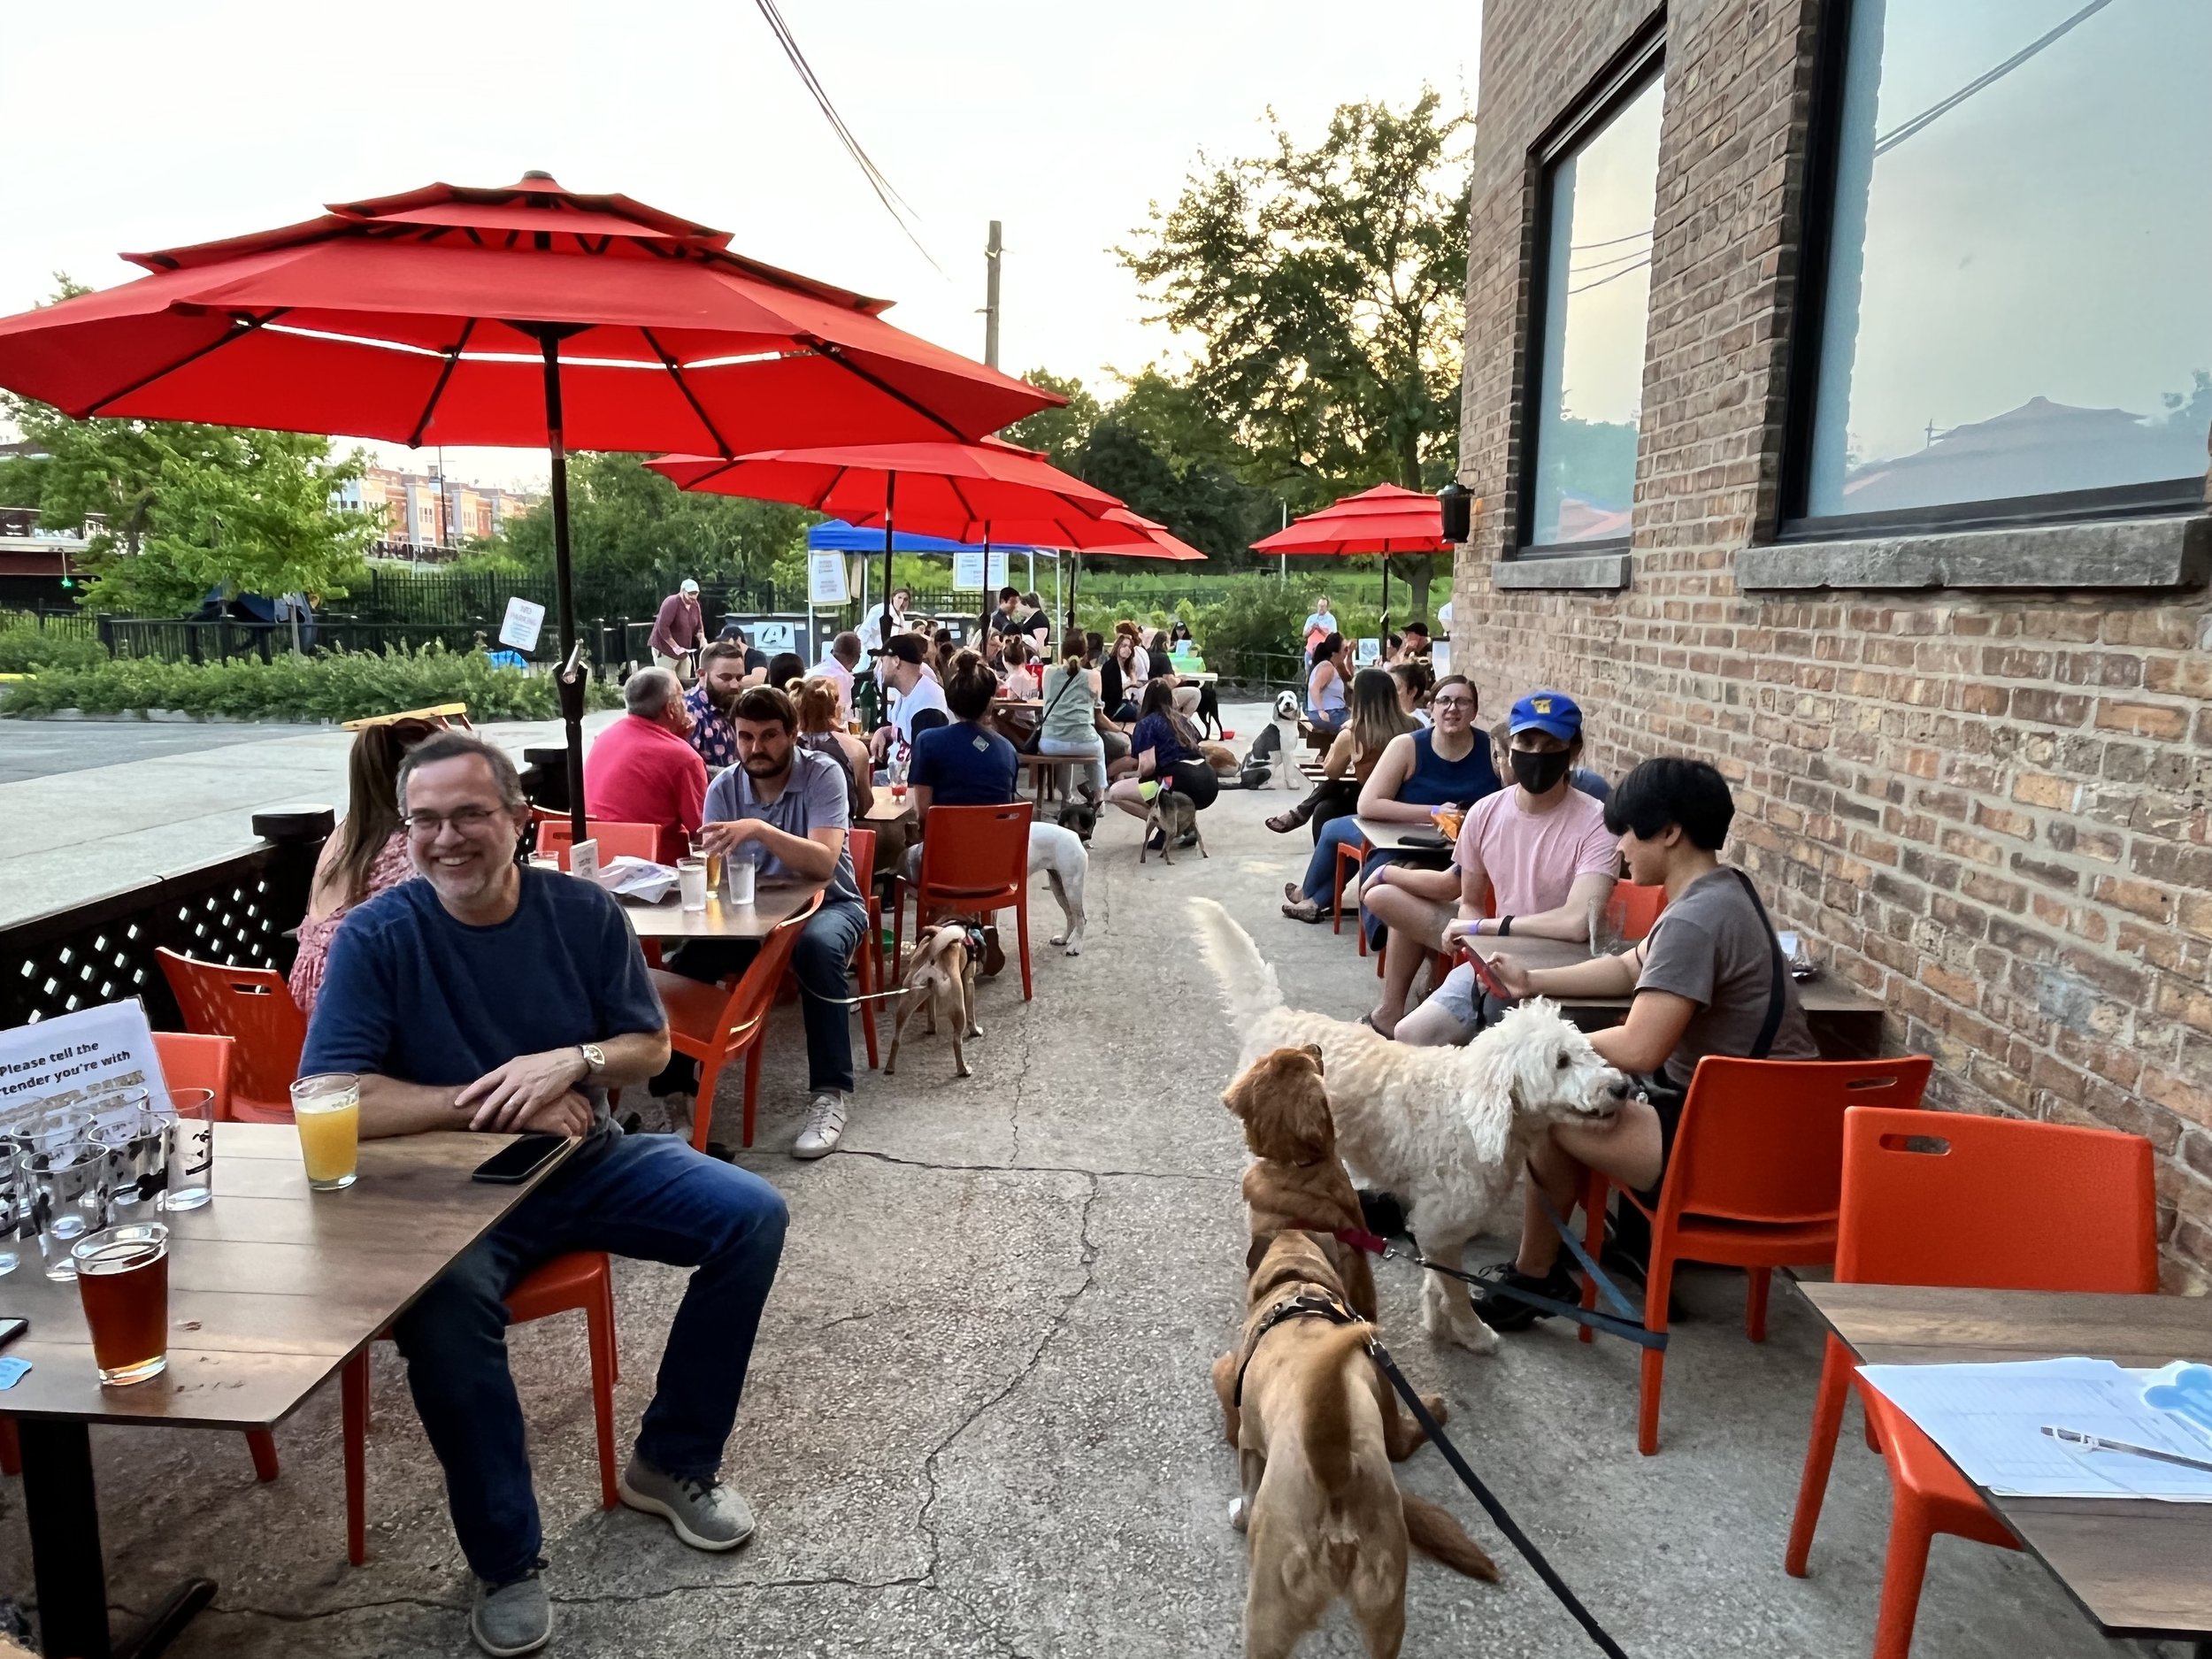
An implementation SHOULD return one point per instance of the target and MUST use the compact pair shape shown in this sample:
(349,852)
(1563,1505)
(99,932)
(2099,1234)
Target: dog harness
(1307,1304)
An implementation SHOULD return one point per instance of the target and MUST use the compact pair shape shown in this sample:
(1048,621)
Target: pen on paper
(2094,1443)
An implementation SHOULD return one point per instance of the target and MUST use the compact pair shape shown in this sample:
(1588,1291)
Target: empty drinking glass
(65,1181)
(191,1148)
(11,1201)
(137,1141)
(739,871)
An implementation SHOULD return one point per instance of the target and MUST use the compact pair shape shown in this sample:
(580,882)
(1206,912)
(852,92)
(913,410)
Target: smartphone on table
(518,1162)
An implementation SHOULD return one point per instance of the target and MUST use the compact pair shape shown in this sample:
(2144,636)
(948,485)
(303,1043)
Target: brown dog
(1298,1182)
(941,977)
(1316,1429)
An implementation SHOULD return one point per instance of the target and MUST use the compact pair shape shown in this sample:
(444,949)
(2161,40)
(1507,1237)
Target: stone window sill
(2174,551)
(1591,572)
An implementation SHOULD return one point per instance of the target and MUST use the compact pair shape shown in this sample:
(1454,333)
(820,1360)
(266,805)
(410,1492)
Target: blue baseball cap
(1549,712)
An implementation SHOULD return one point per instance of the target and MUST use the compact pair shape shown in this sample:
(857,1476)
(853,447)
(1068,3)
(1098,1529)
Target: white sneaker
(824,1125)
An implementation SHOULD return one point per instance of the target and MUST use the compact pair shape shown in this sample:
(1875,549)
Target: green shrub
(333,686)
(25,647)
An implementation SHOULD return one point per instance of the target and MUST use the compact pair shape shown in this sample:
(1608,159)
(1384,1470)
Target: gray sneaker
(706,1514)
(824,1125)
(512,1618)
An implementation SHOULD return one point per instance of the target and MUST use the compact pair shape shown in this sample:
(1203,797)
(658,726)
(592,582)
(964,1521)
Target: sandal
(1283,823)
(1305,911)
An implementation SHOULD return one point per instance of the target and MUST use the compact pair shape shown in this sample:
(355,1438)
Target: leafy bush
(335,686)
(1256,631)
(25,647)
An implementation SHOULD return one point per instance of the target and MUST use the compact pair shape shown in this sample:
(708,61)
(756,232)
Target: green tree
(1059,433)
(1323,287)
(626,520)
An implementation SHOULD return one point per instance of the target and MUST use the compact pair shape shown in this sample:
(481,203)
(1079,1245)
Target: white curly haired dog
(1446,1130)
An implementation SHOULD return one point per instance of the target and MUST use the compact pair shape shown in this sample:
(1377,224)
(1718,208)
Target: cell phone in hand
(1488,977)
(513,1164)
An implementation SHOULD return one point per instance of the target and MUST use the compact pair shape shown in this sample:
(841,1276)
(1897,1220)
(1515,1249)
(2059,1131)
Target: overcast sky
(165,124)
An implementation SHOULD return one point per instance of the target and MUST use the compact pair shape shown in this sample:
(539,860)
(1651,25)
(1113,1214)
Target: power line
(1610,242)
(1598,265)
(1934,112)
(1601,281)
(894,204)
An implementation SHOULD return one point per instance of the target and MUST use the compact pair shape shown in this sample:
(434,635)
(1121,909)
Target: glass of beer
(327,1110)
(123,1275)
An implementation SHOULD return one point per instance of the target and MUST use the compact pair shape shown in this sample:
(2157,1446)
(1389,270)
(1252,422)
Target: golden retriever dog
(1318,1502)
(1446,1129)
(1296,1181)
(940,979)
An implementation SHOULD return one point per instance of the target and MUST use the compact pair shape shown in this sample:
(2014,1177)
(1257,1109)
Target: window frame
(1625,76)
(1807,340)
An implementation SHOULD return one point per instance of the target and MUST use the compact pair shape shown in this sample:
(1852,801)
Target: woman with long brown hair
(1375,715)
(821,729)
(1069,726)
(365,854)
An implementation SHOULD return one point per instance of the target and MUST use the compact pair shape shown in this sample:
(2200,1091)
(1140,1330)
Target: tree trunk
(1418,571)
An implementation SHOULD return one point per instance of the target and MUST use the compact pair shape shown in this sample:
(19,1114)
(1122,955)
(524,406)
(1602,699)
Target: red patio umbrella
(1385,520)
(963,491)
(524,315)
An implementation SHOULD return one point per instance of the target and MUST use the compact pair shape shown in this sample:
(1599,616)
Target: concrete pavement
(978,1420)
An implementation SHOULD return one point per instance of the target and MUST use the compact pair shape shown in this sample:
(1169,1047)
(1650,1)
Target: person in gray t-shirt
(785,808)
(1701,983)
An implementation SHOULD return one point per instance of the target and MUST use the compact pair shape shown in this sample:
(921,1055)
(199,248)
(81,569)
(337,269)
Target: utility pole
(991,251)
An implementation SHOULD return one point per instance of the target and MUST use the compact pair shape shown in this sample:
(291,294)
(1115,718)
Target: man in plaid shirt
(721,681)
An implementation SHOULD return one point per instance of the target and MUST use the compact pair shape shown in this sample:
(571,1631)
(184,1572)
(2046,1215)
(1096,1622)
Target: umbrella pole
(990,600)
(569,674)
(890,498)
(1386,603)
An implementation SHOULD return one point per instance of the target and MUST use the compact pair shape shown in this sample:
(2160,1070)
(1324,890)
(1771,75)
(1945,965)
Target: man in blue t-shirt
(489,996)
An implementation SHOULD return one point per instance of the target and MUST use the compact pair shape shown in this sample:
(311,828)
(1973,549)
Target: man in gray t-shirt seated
(785,808)
(1702,983)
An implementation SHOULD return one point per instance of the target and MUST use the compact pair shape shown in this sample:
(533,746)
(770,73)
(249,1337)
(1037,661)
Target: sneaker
(512,1618)
(824,1125)
(1188,838)
(1510,1313)
(1156,842)
(706,1514)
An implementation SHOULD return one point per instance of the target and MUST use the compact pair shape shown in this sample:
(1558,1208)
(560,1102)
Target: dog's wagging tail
(1248,984)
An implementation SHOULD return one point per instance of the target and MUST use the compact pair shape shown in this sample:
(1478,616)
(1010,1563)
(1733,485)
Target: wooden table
(1825,996)
(2137,1567)
(1384,836)
(886,808)
(272,1289)
(773,902)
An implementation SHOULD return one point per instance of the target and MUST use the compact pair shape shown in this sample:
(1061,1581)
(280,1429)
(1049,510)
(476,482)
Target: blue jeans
(1320,885)
(651,1197)
(1090,749)
(819,962)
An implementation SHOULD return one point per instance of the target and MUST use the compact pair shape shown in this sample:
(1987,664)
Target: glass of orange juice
(327,1110)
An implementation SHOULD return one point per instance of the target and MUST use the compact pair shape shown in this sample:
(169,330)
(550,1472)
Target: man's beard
(761,766)
(724,704)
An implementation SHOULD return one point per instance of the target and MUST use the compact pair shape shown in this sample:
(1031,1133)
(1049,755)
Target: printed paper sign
(967,571)
(71,1060)
(1441,659)
(1370,652)
(994,578)
(583,860)
(825,579)
(525,619)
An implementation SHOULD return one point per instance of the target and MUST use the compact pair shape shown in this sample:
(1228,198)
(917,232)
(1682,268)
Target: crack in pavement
(923,1520)
(1038,1169)
(609,1598)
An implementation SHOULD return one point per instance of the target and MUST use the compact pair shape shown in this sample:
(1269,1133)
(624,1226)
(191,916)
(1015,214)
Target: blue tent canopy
(834,536)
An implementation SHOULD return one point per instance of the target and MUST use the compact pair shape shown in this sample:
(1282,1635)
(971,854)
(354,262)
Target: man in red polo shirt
(643,769)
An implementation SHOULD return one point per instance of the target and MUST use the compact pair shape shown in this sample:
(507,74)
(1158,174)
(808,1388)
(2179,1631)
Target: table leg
(63,1508)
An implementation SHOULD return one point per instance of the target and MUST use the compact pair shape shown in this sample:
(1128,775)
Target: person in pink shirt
(643,769)
(678,630)
(1530,860)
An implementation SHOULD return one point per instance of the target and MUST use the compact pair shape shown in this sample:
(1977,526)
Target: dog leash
(1623,1319)
(1488,1499)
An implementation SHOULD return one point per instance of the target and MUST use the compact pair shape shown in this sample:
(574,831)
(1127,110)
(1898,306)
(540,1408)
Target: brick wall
(1990,811)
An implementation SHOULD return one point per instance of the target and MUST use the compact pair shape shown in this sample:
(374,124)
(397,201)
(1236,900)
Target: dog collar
(1358,1238)
(1307,1304)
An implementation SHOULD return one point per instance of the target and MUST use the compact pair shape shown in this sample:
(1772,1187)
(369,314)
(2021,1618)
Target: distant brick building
(1836,390)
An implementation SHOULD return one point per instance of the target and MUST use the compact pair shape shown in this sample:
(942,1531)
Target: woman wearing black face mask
(1532,861)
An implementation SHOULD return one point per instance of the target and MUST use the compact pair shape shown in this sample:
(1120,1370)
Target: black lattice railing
(238,911)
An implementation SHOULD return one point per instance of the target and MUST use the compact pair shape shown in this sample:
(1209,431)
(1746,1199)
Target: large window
(2011,315)
(1600,183)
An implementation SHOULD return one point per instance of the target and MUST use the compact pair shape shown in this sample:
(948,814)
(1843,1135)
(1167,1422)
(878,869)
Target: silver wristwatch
(594,1059)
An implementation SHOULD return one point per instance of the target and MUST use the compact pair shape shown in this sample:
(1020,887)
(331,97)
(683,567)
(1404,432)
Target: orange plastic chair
(557,835)
(191,1062)
(1354,853)
(713,1024)
(975,860)
(1986,1203)
(868,960)
(1755,1181)
(1634,910)
(255,1006)
(580,1281)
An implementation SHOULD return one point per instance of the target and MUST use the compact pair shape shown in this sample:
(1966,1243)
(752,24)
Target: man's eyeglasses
(1451,702)
(467,819)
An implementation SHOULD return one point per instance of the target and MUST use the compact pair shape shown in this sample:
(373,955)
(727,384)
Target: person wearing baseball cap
(678,630)
(920,701)
(1531,862)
